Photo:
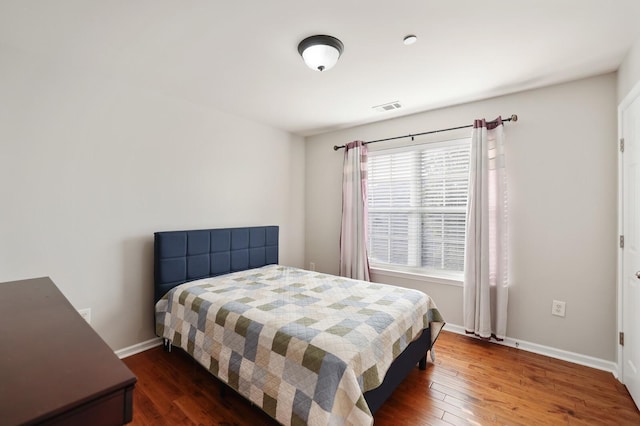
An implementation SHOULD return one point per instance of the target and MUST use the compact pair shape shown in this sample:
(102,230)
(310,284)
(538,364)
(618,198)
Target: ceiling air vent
(388,106)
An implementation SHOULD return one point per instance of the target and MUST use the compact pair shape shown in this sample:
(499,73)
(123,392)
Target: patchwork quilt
(301,345)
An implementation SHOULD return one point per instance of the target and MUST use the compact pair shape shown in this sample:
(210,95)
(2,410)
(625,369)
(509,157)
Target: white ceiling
(241,56)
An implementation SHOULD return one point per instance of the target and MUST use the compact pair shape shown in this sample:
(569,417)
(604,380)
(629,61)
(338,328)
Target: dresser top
(50,358)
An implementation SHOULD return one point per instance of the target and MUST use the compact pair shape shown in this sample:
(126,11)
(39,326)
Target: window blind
(417,198)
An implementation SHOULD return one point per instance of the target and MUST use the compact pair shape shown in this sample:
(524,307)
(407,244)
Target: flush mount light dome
(410,39)
(320,52)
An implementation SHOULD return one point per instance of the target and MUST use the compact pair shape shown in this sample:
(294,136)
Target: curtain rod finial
(336,147)
(514,117)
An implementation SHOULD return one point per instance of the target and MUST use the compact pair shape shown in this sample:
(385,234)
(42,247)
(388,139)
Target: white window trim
(453,279)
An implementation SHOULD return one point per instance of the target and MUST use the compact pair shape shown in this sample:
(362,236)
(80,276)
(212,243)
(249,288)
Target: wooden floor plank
(472,382)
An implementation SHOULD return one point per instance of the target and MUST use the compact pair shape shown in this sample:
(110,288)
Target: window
(417,200)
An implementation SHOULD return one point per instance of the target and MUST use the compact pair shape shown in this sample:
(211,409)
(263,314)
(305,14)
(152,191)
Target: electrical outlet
(86,314)
(558,308)
(312,266)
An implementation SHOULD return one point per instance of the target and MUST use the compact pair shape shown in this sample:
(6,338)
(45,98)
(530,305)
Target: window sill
(432,278)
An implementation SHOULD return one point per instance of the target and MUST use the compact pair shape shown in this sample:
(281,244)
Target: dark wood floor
(472,382)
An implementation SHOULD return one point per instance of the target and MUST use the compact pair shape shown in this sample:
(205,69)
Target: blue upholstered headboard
(181,256)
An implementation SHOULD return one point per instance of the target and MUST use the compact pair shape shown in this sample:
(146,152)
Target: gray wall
(91,166)
(629,71)
(562,178)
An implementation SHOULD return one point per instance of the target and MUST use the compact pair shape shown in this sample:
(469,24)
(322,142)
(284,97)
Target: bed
(306,347)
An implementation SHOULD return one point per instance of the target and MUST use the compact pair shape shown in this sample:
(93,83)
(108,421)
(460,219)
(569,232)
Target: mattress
(301,345)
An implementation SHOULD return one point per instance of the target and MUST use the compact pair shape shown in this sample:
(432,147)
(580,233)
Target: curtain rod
(513,117)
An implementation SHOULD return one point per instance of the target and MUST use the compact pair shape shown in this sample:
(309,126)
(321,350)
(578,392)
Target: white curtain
(354,262)
(486,279)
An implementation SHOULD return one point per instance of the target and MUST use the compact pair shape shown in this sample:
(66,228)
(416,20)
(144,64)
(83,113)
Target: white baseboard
(138,347)
(576,358)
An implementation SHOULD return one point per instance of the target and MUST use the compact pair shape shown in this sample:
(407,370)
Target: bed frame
(181,256)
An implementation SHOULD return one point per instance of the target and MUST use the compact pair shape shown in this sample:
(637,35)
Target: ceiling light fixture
(410,39)
(320,52)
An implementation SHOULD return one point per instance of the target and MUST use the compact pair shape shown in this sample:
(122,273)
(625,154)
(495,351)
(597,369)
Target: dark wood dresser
(54,368)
